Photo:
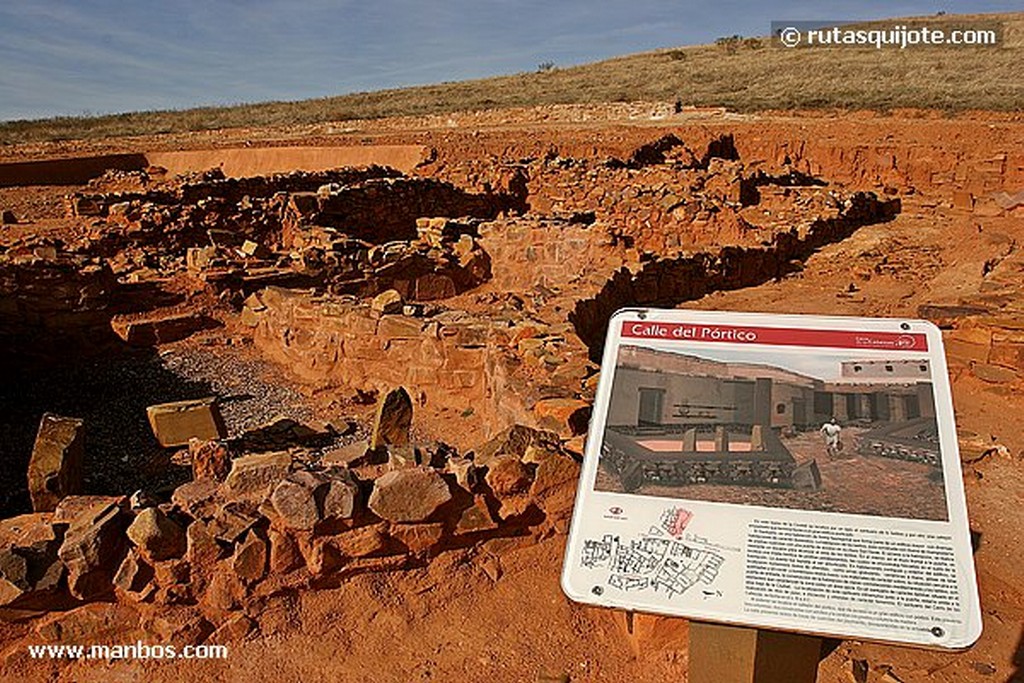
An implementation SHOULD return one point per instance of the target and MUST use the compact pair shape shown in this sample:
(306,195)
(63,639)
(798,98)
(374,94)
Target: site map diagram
(656,560)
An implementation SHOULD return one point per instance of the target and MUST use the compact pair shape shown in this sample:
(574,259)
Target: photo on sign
(828,430)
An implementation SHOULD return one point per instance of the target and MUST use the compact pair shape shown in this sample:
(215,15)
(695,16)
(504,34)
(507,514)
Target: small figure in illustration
(830,431)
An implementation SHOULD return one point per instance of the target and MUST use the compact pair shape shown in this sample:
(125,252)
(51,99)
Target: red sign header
(779,336)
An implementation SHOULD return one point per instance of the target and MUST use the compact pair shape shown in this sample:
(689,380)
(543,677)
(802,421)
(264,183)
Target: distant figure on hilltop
(830,431)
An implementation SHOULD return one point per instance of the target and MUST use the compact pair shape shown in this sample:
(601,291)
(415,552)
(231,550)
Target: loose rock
(387,302)
(393,420)
(134,578)
(250,559)
(507,476)
(339,502)
(29,569)
(410,495)
(252,474)
(210,459)
(174,424)
(294,499)
(156,536)
(55,469)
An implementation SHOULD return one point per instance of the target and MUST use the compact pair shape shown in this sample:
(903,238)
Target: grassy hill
(743,75)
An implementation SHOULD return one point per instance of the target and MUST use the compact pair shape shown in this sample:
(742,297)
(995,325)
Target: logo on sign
(615,512)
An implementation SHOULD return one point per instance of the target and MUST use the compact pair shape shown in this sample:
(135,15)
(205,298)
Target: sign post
(735,654)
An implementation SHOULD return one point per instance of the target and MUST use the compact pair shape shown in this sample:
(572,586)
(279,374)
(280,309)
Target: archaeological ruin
(234,377)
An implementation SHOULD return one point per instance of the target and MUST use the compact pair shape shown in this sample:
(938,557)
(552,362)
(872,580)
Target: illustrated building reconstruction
(677,419)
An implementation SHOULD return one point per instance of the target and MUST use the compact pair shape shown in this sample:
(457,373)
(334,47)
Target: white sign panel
(787,472)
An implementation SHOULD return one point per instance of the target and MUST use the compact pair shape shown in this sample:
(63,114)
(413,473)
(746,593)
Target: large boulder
(55,468)
(409,495)
(93,548)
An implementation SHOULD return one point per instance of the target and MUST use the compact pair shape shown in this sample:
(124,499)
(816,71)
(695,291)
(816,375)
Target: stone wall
(212,185)
(451,359)
(664,197)
(985,335)
(527,252)
(53,307)
(932,156)
(652,208)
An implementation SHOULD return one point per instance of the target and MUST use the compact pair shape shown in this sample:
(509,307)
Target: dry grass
(750,76)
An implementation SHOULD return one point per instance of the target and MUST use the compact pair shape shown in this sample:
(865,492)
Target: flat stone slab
(393,419)
(159,329)
(175,423)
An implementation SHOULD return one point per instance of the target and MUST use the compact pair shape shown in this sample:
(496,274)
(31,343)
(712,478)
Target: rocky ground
(330,522)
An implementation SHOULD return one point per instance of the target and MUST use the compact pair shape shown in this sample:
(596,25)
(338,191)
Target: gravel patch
(111,395)
(251,392)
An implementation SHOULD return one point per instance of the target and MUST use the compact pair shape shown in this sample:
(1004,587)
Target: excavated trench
(666,283)
(110,394)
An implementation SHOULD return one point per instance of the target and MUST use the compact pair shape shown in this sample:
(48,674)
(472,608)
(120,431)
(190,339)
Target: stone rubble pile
(218,548)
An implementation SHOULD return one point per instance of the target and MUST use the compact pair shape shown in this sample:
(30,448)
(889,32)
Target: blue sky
(94,57)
